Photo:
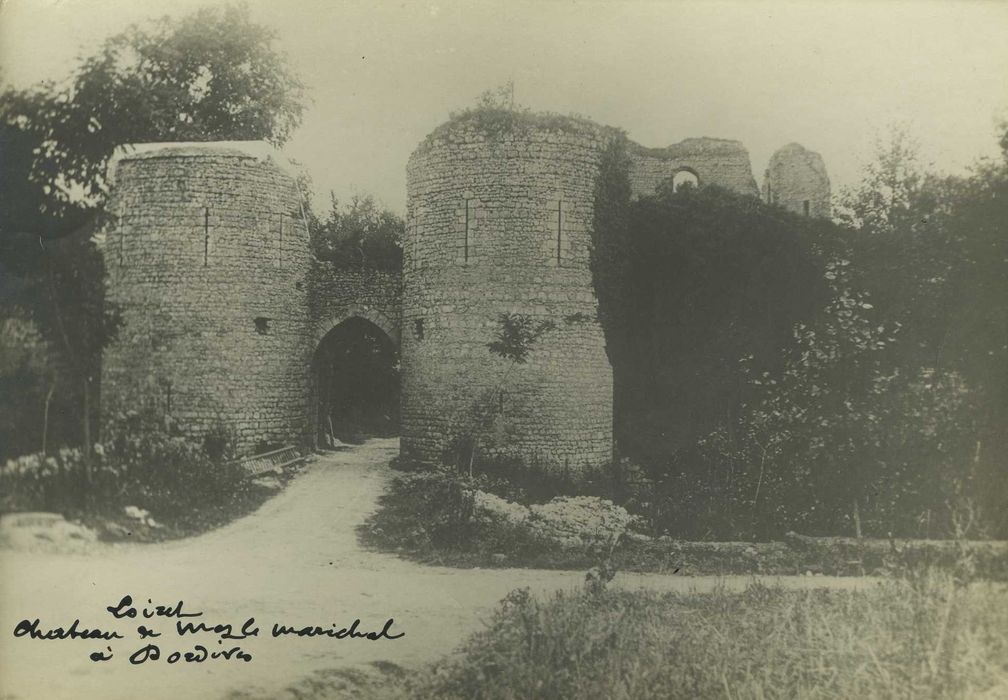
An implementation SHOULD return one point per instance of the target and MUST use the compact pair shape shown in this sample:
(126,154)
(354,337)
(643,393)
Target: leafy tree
(935,260)
(885,199)
(360,235)
(212,75)
(774,372)
(842,438)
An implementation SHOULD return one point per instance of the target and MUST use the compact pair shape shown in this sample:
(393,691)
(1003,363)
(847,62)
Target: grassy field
(927,636)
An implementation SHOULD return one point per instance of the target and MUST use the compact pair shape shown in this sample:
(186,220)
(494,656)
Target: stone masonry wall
(719,162)
(208,260)
(337,294)
(796,179)
(224,305)
(502,224)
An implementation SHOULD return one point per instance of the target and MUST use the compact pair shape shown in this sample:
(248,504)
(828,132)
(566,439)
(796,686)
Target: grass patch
(926,637)
(901,640)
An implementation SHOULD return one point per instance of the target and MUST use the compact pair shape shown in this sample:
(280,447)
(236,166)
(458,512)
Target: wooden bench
(273,461)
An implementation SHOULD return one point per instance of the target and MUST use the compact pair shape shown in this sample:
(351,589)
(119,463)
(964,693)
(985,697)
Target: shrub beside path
(296,561)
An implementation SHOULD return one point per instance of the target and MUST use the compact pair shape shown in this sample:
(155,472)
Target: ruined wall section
(501,223)
(796,179)
(721,162)
(208,260)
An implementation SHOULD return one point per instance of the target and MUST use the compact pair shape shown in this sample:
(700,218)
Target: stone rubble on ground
(491,508)
(140,515)
(44,532)
(268,482)
(578,521)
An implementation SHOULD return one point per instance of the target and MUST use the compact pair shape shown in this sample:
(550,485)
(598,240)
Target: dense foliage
(211,75)
(142,462)
(359,235)
(774,372)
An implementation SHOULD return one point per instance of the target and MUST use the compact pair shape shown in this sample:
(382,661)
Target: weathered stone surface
(579,521)
(502,224)
(223,303)
(225,306)
(796,179)
(491,508)
(721,162)
(208,260)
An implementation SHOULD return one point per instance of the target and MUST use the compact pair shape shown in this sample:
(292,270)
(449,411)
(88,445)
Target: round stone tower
(796,179)
(499,222)
(207,256)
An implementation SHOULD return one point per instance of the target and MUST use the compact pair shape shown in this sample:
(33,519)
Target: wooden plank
(272,461)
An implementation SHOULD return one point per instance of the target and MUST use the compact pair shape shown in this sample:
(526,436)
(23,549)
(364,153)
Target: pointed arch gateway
(355,378)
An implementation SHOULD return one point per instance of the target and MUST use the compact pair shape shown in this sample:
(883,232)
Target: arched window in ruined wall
(684,177)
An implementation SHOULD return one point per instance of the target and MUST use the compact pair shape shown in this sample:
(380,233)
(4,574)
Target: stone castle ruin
(230,321)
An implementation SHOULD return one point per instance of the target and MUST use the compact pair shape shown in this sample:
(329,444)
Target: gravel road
(296,562)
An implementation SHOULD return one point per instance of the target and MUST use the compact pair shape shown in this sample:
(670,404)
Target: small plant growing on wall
(516,335)
(485,424)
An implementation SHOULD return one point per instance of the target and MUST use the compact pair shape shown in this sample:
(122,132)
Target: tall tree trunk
(77,365)
(45,417)
(87,428)
(857,519)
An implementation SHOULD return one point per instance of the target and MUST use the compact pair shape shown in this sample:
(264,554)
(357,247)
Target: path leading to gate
(296,561)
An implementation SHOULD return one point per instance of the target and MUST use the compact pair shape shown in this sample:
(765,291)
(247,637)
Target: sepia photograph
(499,350)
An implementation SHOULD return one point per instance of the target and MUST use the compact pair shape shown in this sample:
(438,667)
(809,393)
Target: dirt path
(296,562)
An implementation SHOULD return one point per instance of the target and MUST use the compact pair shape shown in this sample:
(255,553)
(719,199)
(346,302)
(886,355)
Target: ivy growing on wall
(610,253)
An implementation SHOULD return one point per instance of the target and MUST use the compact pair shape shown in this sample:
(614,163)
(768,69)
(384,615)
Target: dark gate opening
(356,370)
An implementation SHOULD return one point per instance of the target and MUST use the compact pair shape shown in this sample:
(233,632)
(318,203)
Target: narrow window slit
(466,253)
(559,228)
(206,235)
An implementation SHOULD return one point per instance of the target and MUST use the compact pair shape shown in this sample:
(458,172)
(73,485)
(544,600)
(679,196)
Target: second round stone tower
(207,260)
(499,222)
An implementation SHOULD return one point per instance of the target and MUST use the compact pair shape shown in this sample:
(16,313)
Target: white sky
(383,74)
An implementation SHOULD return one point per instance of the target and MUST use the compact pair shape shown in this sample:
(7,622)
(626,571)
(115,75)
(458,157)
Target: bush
(53,482)
(431,515)
(424,511)
(142,462)
(166,472)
